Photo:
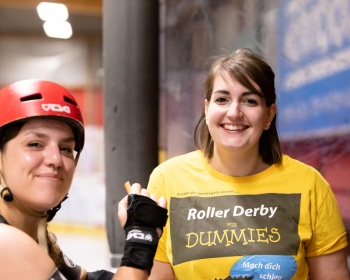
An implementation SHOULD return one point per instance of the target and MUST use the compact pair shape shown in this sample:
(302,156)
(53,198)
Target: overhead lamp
(55,17)
(58,29)
(52,11)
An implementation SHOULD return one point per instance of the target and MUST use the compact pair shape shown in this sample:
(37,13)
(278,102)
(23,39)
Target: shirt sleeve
(156,185)
(329,234)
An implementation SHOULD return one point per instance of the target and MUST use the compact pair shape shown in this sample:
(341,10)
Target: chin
(45,206)
(234,147)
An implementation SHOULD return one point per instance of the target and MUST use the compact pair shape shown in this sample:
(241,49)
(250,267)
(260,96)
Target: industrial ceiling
(19,17)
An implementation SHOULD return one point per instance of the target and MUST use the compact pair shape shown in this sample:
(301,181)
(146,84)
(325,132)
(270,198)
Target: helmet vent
(68,100)
(31,97)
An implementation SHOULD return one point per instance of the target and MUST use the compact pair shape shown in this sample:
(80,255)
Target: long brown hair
(252,71)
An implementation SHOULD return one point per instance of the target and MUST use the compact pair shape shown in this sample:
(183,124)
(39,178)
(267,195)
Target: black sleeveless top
(3,220)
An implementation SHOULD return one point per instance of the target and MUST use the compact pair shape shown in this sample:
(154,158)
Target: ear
(271,112)
(206,105)
(1,176)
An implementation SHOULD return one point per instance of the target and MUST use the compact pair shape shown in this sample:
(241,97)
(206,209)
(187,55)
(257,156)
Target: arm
(138,213)
(20,248)
(18,262)
(329,267)
(144,216)
(162,271)
(130,273)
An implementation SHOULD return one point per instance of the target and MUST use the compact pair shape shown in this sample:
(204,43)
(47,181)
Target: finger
(135,189)
(123,204)
(160,232)
(162,202)
(145,192)
(122,212)
(154,198)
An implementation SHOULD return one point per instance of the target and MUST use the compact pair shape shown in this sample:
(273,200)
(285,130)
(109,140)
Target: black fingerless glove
(144,216)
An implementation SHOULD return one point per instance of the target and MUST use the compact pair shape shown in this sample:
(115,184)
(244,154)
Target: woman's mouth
(234,127)
(50,176)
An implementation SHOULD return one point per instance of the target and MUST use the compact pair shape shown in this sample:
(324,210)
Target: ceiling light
(52,11)
(58,29)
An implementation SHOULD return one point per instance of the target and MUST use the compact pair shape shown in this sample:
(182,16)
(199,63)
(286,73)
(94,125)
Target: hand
(137,189)
(143,217)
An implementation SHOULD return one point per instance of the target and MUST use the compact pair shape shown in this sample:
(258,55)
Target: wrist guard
(144,216)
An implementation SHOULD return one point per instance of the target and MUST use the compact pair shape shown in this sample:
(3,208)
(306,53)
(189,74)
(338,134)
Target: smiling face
(38,164)
(236,116)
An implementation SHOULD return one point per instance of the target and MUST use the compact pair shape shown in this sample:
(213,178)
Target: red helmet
(38,98)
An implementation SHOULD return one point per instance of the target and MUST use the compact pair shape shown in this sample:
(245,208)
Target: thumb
(162,202)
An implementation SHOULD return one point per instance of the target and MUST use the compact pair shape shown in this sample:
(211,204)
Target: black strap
(3,220)
(144,217)
(57,276)
(68,268)
(100,275)
(143,211)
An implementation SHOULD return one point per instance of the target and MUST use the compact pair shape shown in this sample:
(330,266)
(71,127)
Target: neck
(237,164)
(20,220)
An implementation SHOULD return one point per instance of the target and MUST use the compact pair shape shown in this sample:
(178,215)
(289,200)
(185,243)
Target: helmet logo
(56,108)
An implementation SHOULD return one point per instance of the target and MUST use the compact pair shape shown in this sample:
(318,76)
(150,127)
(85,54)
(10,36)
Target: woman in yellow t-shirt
(238,208)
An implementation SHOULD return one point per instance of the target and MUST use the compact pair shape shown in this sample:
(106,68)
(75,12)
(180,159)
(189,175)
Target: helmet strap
(42,234)
(77,158)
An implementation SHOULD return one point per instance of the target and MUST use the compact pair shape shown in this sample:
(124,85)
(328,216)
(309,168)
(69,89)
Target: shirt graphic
(261,230)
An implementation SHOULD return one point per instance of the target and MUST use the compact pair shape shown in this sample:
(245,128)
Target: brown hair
(252,71)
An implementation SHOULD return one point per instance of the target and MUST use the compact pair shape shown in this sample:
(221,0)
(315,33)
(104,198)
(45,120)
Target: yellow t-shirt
(260,226)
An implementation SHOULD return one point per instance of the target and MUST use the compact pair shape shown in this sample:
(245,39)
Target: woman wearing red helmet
(41,138)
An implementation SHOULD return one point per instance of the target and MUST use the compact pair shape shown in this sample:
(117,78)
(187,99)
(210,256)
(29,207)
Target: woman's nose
(53,156)
(235,111)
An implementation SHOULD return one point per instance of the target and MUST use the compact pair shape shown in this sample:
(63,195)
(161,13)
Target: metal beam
(130,57)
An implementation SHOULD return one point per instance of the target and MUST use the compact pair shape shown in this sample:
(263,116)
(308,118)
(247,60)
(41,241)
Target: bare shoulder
(10,232)
(12,237)
(20,248)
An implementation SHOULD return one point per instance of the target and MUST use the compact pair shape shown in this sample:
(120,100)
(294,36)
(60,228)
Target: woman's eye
(220,100)
(251,101)
(67,150)
(34,145)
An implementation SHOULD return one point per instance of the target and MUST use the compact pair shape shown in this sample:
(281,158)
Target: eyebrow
(223,91)
(43,135)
